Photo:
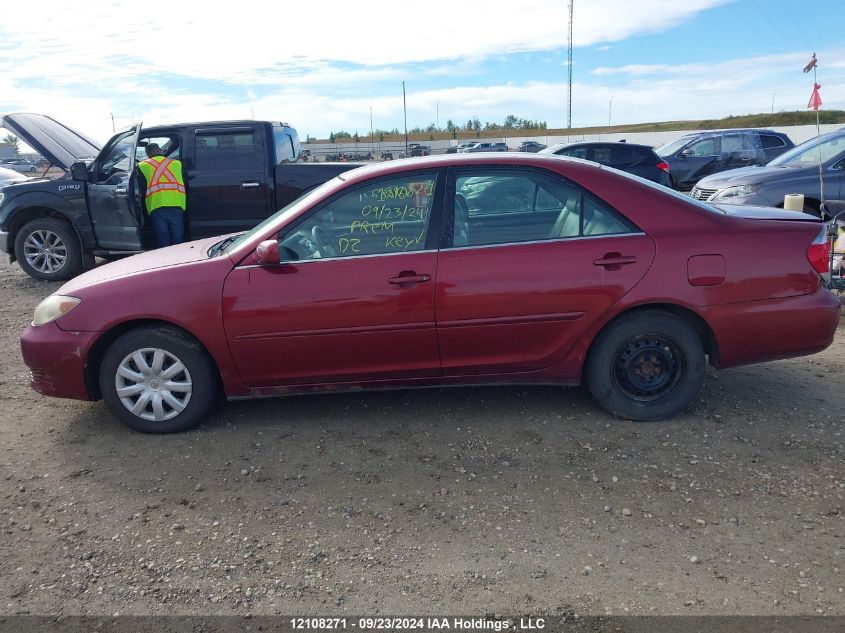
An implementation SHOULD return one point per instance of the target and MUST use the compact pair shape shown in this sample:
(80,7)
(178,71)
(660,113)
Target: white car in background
(8,176)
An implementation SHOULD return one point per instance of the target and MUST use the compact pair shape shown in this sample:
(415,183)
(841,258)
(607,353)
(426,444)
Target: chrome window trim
(297,262)
(546,241)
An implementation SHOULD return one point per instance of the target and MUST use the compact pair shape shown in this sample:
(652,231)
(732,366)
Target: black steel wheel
(647,365)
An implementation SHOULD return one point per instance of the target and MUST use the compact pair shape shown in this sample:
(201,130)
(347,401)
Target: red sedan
(461,269)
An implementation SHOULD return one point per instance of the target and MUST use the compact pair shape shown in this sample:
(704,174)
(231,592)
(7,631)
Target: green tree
(332,137)
(14,141)
(355,137)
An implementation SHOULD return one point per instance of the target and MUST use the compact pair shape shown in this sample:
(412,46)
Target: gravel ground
(484,500)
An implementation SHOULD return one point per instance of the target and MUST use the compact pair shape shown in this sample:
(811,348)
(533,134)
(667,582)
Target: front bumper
(56,360)
(4,241)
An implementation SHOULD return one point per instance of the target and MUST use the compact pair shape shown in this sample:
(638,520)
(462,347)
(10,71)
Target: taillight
(664,166)
(819,253)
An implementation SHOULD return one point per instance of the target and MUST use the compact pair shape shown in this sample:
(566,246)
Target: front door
(696,161)
(353,298)
(227,180)
(117,215)
(534,261)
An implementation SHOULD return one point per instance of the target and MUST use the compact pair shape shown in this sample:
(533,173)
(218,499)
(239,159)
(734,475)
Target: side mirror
(267,252)
(79,171)
(686,152)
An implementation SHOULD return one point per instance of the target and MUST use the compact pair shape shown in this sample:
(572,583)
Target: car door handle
(614,261)
(250,184)
(121,190)
(408,278)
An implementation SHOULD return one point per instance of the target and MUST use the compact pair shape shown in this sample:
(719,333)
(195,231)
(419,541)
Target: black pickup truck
(237,173)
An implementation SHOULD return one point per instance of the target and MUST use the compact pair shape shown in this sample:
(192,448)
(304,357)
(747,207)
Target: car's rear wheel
(647,365)
(158,380)
(48,249)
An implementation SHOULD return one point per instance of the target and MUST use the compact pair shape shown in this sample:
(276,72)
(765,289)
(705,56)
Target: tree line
(511,122)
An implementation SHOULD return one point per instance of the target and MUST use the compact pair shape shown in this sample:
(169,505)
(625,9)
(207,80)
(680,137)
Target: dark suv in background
(640,160)
(694,156)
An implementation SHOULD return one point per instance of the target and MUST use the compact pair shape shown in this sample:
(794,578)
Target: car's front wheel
(158,380)
(646,365)
(48,249)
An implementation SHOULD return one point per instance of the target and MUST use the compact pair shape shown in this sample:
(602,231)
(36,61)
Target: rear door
(228,178)
(529,261)
(740,149)
(697,160)
(117,215)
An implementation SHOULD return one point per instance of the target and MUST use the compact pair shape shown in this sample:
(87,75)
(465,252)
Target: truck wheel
(158,380)
(48,250)
(647,365)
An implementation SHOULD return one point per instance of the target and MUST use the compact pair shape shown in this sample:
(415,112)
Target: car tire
(48,249)
(646,365)
(158,380)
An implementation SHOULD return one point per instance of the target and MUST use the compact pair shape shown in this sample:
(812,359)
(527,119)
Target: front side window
(705,147)
(810,152)
(511,206)
(386,216)
(116,158)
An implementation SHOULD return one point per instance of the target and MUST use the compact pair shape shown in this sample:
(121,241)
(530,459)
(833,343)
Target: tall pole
(569,65)
(372,140)
(112,122)
(405,110)
(773,100)
(609,110)
(819,141)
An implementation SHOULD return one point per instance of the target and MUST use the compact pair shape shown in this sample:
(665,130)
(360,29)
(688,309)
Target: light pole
(610,110)
(773,99)
(405,111)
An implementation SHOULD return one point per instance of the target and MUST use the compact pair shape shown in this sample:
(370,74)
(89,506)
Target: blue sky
(326,65)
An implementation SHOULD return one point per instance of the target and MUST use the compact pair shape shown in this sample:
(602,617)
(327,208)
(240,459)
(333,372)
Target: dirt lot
(495,500)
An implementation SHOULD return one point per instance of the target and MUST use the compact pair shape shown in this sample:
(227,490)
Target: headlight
(52,308)
(735,192)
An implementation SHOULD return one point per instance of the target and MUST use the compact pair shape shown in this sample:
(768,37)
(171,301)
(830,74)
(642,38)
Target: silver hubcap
(153,384)
(44,251)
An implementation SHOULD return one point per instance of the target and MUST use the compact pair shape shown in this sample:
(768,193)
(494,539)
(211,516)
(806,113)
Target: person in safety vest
(164,195)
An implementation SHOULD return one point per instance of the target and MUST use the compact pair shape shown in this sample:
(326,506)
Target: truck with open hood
(237,173)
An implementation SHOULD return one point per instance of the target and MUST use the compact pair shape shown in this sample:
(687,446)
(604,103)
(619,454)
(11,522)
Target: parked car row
(18,164)
(640,160)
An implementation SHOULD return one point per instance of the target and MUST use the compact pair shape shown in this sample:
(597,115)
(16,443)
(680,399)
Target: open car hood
(55,141)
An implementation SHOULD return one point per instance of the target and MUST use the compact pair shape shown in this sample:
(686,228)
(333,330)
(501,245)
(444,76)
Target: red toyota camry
(470,269)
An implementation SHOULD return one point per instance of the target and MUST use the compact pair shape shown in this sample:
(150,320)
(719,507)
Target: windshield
(291,209)
(670,148)
(807,154)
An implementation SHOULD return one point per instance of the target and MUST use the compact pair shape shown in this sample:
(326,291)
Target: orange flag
(815,101)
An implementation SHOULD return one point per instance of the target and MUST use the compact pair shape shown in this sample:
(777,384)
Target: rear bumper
(56,360)
(758,331)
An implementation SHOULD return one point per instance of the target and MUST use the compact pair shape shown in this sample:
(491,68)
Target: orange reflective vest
(165,186)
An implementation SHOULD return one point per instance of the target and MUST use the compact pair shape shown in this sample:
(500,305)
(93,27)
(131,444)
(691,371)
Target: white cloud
(322,65)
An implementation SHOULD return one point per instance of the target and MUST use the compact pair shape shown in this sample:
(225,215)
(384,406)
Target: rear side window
(238,150)
(285,152)
(505,206)
(645,155)
(732,143)
(770,141)
(575,152)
